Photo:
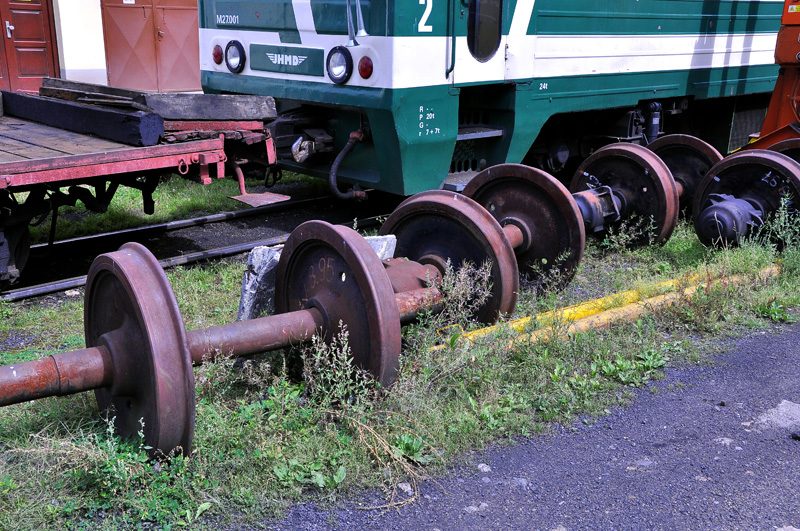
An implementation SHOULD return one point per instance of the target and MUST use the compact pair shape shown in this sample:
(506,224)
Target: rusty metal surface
(406,275)
(410,304)
(254,200)
(213,125)
(131,310)
(768,175)
(437,226)
(642,178)
(333,269)
(790,147)
(539,213)
(244,338)
(689,159)
(57,375)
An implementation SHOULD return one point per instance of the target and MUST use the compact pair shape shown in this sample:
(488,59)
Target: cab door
(477,45)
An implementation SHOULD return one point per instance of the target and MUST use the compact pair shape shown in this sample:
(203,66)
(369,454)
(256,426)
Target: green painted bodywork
(410,149)
(396,142)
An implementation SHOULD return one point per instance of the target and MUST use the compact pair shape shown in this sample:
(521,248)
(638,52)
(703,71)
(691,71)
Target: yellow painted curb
(595,315)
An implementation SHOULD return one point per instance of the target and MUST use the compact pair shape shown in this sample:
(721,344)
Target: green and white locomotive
(427,93)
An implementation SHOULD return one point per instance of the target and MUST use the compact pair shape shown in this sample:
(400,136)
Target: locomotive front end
(339,71)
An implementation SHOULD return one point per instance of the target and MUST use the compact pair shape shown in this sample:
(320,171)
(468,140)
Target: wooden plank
(26,150)
(77,95)
(50,82)
(15,129)
(228,107)
(9,157)
(135,128)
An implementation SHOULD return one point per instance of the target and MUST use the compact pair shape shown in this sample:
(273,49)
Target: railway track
(62,265)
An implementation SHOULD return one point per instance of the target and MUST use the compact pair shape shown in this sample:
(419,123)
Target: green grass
(265,437)
(174,197)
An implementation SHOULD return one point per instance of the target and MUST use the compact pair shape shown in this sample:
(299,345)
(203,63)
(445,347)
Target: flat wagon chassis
(72,159)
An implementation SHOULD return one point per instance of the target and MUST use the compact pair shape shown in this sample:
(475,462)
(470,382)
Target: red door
(28,52)
(152,44)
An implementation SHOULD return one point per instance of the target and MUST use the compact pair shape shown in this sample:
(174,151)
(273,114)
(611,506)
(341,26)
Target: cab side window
(484,28)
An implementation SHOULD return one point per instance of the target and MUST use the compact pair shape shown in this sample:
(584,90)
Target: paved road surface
(714,449)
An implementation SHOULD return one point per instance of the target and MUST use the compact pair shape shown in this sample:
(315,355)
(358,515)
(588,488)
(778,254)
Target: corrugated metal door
(152,44)
(28,53)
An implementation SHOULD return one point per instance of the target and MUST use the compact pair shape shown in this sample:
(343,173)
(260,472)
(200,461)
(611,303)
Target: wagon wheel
(643,183)
(543,209)
(436,226)
(131,310)
(333,269)
(740,191)
(689,159)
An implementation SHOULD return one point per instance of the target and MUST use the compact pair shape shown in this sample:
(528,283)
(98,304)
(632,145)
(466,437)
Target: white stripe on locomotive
(415,63)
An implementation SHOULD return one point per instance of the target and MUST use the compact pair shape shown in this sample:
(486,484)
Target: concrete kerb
(596,315)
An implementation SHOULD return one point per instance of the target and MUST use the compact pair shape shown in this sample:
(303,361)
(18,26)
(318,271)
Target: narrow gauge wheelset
(139,356)
(475,124)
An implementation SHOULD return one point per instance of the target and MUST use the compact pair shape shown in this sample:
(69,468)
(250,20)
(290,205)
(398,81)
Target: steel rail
(198,256)
(183,223)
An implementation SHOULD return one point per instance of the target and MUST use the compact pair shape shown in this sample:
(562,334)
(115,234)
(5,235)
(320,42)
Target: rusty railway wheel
(789,147)
(436,226)
(131,310)
(689,159)
(543,209)
(333,269)
(641,180)
(739,193)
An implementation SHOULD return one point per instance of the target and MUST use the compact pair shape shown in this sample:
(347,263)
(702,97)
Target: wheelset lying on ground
(740,192)
(546,224)
(139,356)
(689,159)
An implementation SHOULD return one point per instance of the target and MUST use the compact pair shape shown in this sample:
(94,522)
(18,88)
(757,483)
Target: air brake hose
(355,136)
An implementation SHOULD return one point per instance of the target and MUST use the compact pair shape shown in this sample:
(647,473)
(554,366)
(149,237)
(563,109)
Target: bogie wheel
(789,147)
(333,269)
(131,310)
(554,235)
(436,226)
(642,180)
(689,159)
(753,179)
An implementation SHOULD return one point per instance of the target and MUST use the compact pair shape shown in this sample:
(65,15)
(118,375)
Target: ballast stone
(258,284)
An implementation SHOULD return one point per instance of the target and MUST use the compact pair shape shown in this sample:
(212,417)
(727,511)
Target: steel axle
(139,356)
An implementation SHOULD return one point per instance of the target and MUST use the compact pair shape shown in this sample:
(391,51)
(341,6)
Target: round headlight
(339,64)
(235,56)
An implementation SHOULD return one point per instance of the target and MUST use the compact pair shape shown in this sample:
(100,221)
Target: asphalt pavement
(710,447)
